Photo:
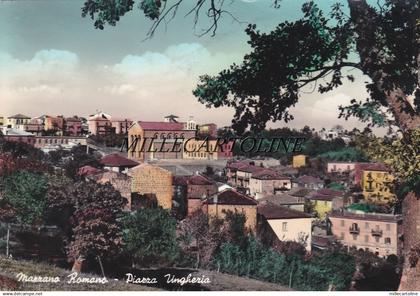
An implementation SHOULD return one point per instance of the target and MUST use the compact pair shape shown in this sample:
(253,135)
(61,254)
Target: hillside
(9,268)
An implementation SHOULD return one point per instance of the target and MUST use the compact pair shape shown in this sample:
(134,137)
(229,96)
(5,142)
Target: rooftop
(365,216)
(268,174)
(308,179)
(282,199)
(161,126)
(19,116)
(271,211)
(231,197)
(116,160)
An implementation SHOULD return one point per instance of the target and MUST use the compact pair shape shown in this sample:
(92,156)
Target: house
(285,200)
(157,140)
(300,160)
(196,189)
(308,182)
(35,126)
(222,202)
(87,170)
(73,126)
(121,182)
(121,125)
(17,135)
(100,124)
(378,185)
(17,121)
(117,163)
(53,124)
(377,233)
(287,224)
(152,182)
(325,200)
(340,167)
(268,182)
(232,170)
(244,173)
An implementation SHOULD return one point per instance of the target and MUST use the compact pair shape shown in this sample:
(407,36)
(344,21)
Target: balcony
(354,230)
(377,232)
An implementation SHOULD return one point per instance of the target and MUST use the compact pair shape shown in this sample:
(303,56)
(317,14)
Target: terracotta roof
(268,174)
(308,179)
(282,199)
(271,212)
(300,192)
(192,180)
(372,167)
(107,174)
(74,119)
(116,160)
(251,169)
(237,165)
(87,170)
(231,197)
(322,197)
(161,126)
(328,191)
(365,216)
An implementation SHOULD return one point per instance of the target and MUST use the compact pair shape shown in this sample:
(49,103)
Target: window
(388,240)
(354,236)
(284,226)
(366,238)
(377,239)
(388,227)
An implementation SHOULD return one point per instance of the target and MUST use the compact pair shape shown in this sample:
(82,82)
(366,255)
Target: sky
(53,61)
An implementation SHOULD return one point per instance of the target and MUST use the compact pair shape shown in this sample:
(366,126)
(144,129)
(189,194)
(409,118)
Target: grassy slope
(10,267)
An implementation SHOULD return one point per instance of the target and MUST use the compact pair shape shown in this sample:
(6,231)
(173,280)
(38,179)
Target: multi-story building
(285,200)
(151,140)
(54,124)
(121,125)
(325,200)
(378,186)
(287,224)
(230,200)
(17,121)
(35,126)
(340,167)
(73,126)
(100,124)
(152,182)
(377,233)
(268,182)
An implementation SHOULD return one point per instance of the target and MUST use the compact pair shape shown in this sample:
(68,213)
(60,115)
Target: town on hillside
(326,207)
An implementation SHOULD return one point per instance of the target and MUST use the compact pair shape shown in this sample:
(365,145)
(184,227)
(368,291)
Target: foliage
(345,154)
(205,234)
(20,149)
(77,159)
(367,208)
(254,260)
(149,237)
(25,192)
(402,154)
(336,186)
(95,233)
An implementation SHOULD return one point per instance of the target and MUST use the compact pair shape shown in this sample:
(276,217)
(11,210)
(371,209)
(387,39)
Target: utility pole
(7,240)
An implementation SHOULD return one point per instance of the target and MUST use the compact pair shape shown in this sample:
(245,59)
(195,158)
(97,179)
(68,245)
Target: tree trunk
(410,280)
(406,117)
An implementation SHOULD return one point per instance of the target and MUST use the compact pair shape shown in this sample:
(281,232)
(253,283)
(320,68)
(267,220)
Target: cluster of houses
(145,140)
(296,207)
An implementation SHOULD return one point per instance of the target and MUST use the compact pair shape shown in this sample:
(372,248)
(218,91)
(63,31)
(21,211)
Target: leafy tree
(316,48)
(205,234)
(25,192)
(149,237)
(336,186)
(95,234)
(79,158)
